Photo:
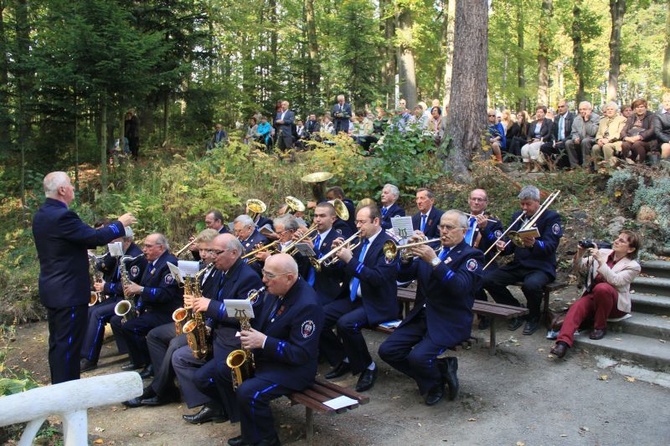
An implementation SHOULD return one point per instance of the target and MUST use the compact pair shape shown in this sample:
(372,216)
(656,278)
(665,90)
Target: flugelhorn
(330,257)
(391,249)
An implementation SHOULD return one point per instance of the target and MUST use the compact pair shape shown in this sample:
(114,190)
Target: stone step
(643,324)
(650,303)
(651,285)
(648,352)
(656,268)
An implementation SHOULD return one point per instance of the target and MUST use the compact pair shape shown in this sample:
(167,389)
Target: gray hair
(612,104)
(245,220)
(54,180)
(586,104)
(529,193)
(462,217)
(288,221)
(162,240)
(206,235)
(393,189)
(234,244)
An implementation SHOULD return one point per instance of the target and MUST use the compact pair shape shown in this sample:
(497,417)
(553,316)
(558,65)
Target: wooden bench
(321,391)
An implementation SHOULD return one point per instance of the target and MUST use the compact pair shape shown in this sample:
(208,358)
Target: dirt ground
(520,397)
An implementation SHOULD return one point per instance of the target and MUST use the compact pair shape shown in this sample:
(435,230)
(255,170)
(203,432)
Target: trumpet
(391,249)
(186,247)
(330,257)
(251,255)
(290,249)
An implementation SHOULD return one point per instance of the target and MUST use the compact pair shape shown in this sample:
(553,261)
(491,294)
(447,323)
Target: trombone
(330,257)
(251,255)
(391,249)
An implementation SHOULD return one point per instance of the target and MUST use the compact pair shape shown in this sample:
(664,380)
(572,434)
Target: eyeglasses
(271,276)
(492,116)
(216,252)
(448,227)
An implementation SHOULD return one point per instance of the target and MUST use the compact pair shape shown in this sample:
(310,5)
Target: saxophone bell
(125,309)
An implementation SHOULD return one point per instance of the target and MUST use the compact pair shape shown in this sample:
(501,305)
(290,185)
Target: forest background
(69,70)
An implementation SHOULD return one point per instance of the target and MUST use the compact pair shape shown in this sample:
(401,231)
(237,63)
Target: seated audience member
(251,131)
(554,150)
(264,133)
(521,138)
(436,125)
(389,207)
(608,143)
(540,132)
(511,127)
(637,135)
(312,127)
(327,126)
(220,137)
(583,136)
(609,273)
(496,135)
(662,127)
(362,132)
(627,111)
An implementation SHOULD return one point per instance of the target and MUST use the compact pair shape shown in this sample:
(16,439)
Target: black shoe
(434,395)
(134,402)
(237,441)
(86,366)
(147,372)
(484,323)
(514,323)
(130,366)
(340,369)
(451,377)
(366,380)
(531,326)
(206,414)
(157,400)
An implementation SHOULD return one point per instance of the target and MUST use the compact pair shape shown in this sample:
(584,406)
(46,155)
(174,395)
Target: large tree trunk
(666,59)
(520,64)
(5,119)
(467,116)
(24,83)
(313,68)
(617,11)
(390,65)
(407,70)
(543,53)
(103,146)
(449,63)
(578,50)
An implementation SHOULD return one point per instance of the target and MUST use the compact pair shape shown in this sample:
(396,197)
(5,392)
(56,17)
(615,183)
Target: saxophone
(95,276)
(241,361)
(195,328)
(125,308)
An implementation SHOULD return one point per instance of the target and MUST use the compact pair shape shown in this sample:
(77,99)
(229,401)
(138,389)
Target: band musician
(389,197)
(442,315)
(428,217)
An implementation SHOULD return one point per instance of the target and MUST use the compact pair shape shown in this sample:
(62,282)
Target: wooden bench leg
(492,332)
(545,308)
(309,425)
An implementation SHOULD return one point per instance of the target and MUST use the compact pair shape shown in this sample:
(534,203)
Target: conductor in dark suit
(62,240)
(428,217)
(341,115)
(390,208)
(442,315)
(284,339)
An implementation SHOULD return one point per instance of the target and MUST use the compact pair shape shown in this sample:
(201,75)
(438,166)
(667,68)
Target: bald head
(280,273)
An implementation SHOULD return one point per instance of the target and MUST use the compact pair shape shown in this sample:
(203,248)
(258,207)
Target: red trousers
(599,304)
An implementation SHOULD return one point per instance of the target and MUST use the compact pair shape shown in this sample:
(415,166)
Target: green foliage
(622,186)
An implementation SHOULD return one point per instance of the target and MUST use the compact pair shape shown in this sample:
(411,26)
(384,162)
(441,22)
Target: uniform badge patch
(169,279)
(307,329)
(498,233)
(472,265)
(556,228)
(134,271)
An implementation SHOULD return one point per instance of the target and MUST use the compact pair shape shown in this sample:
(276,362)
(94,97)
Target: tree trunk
(313,66)
(24,83)
(5,119)
(543,53)
(449,63)
(666,58)
(520,64)
(407,70)
(617,11)
(578,50)
(390,65)
(103,146)
(466,120)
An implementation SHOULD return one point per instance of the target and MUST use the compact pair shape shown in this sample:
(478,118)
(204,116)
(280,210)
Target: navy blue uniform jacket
(290,354)
(161,291)
(432,222)
(62,240)
(393,211)
(448,292)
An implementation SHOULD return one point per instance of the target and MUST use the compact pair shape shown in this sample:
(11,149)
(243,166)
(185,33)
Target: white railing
(68,400)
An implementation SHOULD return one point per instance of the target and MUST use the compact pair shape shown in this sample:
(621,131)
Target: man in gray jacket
(583,135)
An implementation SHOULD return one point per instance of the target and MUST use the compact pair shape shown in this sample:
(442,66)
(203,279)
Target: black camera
(586,244)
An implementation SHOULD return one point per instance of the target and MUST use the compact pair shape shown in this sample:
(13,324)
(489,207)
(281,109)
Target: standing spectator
(284,125)
(637,135)
(583,136)
(132,132)
(662,127)
(62,240)
(342,113)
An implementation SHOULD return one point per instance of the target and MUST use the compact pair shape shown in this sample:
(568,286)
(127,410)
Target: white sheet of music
(340,402)
(188,268)
(402,226)
(115,249)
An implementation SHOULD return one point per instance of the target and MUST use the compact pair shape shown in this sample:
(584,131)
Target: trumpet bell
(340,209)
(294,204)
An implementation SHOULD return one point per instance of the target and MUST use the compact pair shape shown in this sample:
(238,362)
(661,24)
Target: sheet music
(402,226)
(174,270)
(340,402)
(239,308)
(115,249)
(305,249)
(188,268)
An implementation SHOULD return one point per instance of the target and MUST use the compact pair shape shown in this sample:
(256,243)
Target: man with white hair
(62,241)
(583,136)
(608,137)
(342,113)
(389,208)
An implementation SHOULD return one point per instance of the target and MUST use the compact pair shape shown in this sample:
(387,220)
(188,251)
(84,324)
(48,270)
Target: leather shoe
(130,366)
(340,369)
(451,377)
(366,380)
(531,327)
(237,441)
(147,372)
(133,402)
(559,349)
(434,395)
(514,323)
(86,366)
(156,401)
(206,414)
(597,334)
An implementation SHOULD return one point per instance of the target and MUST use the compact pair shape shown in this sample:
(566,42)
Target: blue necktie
(470,233)
(311,275)
(356,282)
(384,212)
(222,280)
(444,253)
(423,222)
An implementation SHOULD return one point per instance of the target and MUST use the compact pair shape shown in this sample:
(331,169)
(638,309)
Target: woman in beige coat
(607,294)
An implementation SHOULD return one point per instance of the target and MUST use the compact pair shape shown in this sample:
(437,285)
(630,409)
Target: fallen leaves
(603,377)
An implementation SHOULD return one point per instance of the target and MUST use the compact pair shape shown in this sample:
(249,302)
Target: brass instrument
(95,276)
(318,183)
(255,208)
(340,209)
(251,255)
(330,257)
(193,325)
(391,249)
(294,205)
(186,247)
(290,249)
(126,307)
(241,361)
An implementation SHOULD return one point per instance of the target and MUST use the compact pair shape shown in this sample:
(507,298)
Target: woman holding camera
(606,295)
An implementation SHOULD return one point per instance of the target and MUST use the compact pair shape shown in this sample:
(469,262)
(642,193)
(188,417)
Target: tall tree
(543,52)
(520,69)
(585,27)
(406,65)
(617,11)
(388,29)
(666,56)
(450,11)
(313,72)
(5,116)
(466,120)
